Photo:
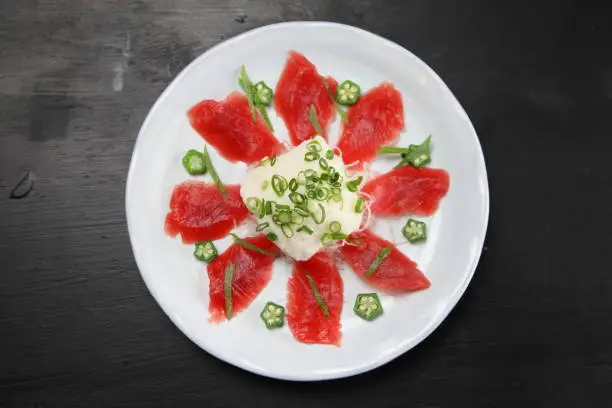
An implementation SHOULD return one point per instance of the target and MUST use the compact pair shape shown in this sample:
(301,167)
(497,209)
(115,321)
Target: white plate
(448,258)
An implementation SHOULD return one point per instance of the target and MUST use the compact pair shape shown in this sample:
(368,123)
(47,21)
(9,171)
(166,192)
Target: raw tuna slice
(408,190)
(229,127)
(252,272)
(300,86)
(374,121)
(199,213)
(305,317)
(396,273)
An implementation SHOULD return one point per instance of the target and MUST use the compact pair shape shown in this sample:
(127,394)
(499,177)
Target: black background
(77,325)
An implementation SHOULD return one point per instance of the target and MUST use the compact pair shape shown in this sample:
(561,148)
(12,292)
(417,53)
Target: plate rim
(453,299)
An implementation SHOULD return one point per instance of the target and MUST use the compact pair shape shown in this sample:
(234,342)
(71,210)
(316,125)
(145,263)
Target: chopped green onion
(314,146)
(297,219)
(254,205)
(394,150)
(280,207)
(279,184)
(341,111)
(311,156)
(268,207)
(265,185)
(323,164)
(382,255)
(327,239)
(213,173)
(317,295)
(293,185)
(205,251)
(248,245)
(335,226)
(329,154)
(368,306)
(227,290)
(273,315)
(312,194)
(348,93)
(301,211)
(287,230)
(353,185)
(262,226)
(297,198)
(264,114)
(301,178)
(310,173)
(247,87)
(337,236)
(314,120)
(271,236)
(321,193)
(263,94)
(273,161)
(284,217)
(336,191)
(319,220)
(415,231)
(359,205)
(305,229)
(194,162)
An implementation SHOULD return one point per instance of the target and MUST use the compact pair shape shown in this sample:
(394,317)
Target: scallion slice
(271,236)
(322,193)
(279,184)
(213,173)
(338,107)
(248,245)
(254,205)
(284,217)
(297,198)
(287,230)
(314,146)
(248,88)
(305,229)
(327,239)
(314,120)
(317,295)
(262,226)
(353,185)
(323,164)
(329,154)
(335,226)
(319,219)
(227,289)
(301,211)
(311,156)
(359,205)
(382,255)
(293,185)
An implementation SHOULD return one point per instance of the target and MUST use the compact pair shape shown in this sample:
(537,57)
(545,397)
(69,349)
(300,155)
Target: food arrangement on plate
(311,203)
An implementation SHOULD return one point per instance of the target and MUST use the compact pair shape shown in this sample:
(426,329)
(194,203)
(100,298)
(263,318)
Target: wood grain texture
(78,327)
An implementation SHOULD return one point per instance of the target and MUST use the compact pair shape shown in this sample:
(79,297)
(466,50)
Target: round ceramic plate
(455,233)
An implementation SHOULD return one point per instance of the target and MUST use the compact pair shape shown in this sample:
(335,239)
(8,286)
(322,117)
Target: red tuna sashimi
(229,127)
(300,86)
(199,212)
(396,273)
(408,190)
(374,121)
(252,272)
(305,317)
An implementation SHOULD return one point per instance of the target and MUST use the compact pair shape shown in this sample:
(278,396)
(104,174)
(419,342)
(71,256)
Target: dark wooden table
(77,325)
